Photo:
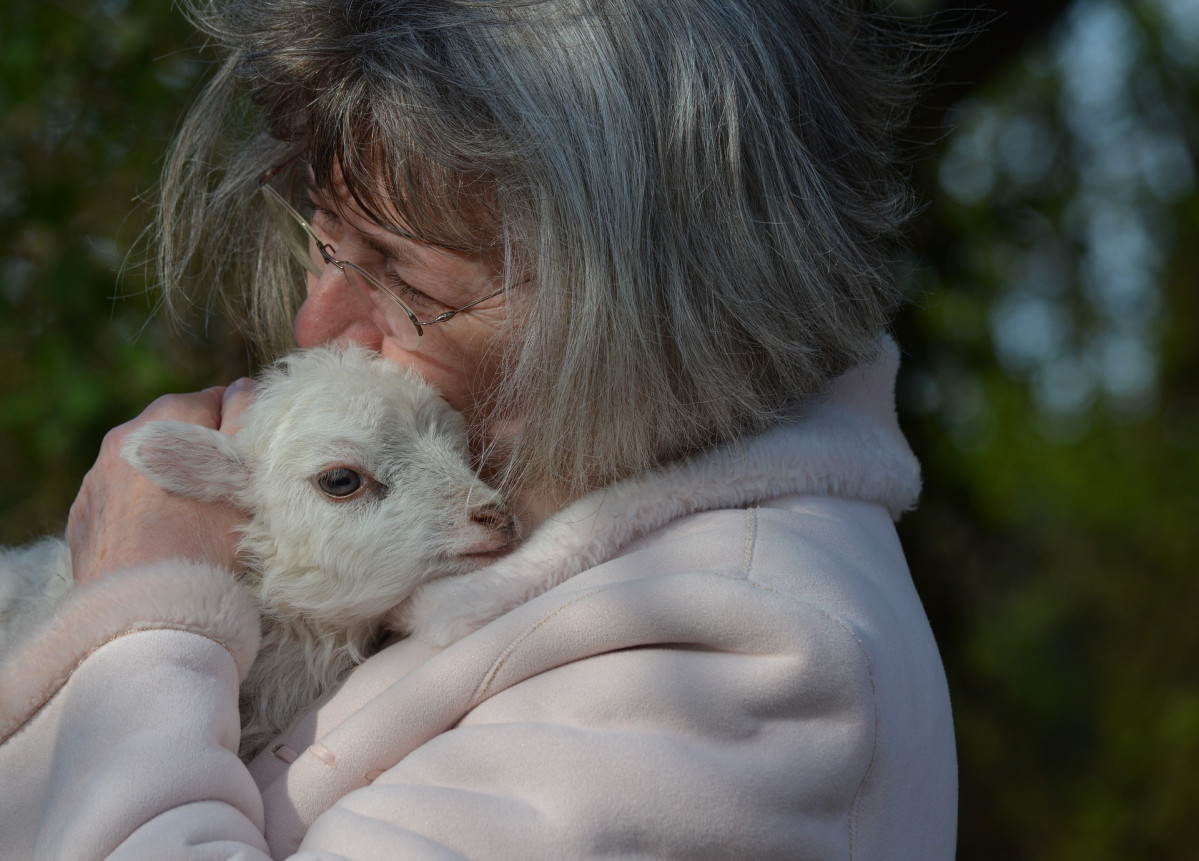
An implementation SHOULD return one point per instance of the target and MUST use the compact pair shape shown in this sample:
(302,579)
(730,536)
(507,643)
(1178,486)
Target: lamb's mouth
(494,550)
(496,528)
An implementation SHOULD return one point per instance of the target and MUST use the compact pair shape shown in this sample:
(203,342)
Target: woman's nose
(336,311)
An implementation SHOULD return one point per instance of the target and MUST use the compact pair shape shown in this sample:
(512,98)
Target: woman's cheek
(438,363)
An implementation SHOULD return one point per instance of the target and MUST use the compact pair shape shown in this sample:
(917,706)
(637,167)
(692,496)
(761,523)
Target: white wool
(325,569)
(33,579)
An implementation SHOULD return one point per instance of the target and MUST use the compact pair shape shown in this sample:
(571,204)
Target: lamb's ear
(188,459)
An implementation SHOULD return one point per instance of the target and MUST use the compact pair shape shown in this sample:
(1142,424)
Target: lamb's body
(33,578)
(357,479)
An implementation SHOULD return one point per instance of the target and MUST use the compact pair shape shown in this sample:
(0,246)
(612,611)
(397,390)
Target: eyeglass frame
(327,251)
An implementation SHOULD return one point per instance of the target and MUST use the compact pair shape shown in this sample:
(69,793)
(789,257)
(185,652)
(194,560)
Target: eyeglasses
(387,309)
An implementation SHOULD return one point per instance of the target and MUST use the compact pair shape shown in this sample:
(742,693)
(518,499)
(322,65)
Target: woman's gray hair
(704,191)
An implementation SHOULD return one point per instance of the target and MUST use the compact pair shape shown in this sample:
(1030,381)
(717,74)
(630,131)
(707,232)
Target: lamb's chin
(479,556)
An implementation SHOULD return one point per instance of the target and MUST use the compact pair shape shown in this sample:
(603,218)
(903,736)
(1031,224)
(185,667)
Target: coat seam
(480,693)
(751,540)
(747,554)
(857,797)
(848,629)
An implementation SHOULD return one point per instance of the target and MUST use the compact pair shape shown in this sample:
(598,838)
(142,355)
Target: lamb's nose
(493,517)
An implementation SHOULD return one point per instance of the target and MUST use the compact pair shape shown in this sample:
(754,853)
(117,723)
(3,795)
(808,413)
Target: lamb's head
(357,477)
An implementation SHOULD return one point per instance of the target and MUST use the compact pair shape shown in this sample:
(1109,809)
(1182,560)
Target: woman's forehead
(460,220)
(386,233)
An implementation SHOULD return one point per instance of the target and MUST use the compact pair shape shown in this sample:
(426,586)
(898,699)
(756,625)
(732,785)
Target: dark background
(1048,387)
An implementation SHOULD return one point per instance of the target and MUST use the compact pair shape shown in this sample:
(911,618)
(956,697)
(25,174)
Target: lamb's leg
(33,579)
(296,665)
(280,684)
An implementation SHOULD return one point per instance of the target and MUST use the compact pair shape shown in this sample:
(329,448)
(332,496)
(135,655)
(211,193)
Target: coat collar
(847,444)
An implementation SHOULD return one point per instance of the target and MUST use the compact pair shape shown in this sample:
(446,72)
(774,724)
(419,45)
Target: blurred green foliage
(1049,389)
(1048,383)
(89,95)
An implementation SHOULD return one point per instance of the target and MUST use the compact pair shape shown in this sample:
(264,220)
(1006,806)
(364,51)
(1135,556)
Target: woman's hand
(121,519)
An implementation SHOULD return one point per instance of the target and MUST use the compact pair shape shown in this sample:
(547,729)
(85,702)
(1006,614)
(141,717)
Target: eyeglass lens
(387,312)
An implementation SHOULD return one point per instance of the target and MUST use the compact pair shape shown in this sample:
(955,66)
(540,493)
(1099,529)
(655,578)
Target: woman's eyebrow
(396,249)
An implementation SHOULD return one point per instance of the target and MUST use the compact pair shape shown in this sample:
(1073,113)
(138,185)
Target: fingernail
(238,385)
(235,388)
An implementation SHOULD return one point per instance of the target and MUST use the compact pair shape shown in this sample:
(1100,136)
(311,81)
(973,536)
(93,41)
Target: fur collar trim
(848,445)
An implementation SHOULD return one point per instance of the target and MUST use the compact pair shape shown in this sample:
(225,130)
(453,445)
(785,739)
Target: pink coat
(725,659)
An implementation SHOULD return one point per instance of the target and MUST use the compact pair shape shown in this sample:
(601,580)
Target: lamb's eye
(339,482)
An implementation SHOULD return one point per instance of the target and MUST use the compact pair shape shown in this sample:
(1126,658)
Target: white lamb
(357,478)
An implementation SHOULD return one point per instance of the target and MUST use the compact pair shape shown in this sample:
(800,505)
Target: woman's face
(460,356)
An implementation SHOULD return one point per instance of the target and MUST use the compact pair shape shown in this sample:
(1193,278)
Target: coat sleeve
(636,770)
(647,750)
(672,731)
(114,727)
(790,706)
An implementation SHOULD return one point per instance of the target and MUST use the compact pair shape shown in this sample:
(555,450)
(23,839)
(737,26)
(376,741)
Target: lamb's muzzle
(500,527)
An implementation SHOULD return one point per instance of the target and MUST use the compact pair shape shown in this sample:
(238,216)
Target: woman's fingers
(121,519)
(234,400)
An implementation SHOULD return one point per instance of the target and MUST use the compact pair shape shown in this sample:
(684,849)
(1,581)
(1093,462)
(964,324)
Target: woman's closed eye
(332,229)
(347,243)
(422,303)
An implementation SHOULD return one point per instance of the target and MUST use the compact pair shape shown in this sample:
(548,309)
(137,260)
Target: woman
(642,247)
